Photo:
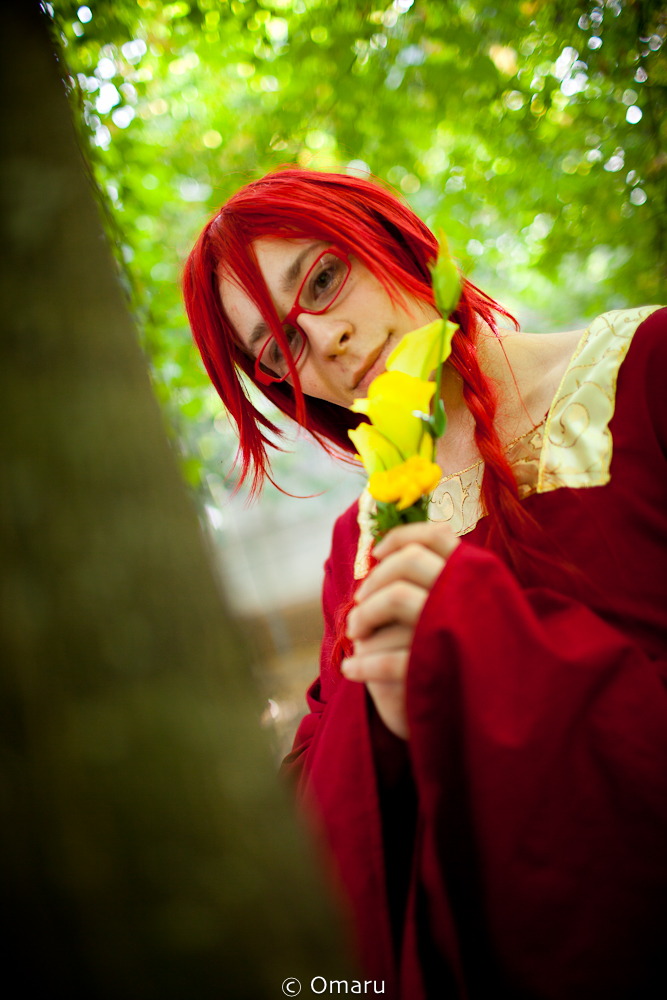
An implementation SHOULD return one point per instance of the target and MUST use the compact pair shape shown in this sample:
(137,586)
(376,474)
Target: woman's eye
(320,284)
(326,282)
(323,279)
(275,353)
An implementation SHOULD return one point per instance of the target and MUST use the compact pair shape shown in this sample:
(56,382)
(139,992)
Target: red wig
(375,226)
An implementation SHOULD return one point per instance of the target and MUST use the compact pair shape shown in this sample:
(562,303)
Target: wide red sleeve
(538,736)
(337,591)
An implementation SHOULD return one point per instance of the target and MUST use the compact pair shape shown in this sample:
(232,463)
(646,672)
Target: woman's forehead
(275,252)
(282,262)
(273,255)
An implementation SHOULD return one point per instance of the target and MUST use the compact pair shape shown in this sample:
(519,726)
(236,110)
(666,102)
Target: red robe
(516,845)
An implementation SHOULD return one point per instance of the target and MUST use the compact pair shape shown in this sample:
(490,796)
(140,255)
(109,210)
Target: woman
(488,760)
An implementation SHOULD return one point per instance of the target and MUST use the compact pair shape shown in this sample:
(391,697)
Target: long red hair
(374,225)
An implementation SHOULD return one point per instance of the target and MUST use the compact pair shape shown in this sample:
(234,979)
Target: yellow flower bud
(446,279)
(406,483)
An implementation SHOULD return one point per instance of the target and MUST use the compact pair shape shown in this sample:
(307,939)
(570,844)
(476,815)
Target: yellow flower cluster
(396,449)
(395,433)
(404,484)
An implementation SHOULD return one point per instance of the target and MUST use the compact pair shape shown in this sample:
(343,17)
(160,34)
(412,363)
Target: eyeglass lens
(323,283)
(273,360)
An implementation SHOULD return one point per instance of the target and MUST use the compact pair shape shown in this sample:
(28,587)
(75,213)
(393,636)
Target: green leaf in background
(533,133)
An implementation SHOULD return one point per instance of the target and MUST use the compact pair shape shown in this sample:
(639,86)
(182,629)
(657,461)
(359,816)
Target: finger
(389,700)
(434,535)
(387,666)
(391,637)
(414,562)
(399,603)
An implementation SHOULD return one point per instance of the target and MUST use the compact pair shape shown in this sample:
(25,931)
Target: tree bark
(147,849)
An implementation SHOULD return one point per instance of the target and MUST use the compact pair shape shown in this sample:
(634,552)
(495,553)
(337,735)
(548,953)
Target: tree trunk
(147,849)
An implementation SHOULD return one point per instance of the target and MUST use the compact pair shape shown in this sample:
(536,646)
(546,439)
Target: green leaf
(438,420)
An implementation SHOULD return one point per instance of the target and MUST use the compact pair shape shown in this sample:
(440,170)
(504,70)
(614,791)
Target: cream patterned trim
(572,447)
(456,499)
(367,508)
(577,441)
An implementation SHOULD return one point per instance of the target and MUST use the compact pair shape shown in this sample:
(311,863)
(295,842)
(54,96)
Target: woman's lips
(376,366)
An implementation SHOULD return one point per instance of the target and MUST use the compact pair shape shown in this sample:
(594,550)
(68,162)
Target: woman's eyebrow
(293,272)
(259,330)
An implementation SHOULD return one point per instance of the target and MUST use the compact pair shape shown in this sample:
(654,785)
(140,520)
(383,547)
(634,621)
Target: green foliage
(533,133)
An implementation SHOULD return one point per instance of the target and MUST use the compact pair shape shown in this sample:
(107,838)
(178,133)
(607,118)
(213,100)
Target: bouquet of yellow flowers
(406,413)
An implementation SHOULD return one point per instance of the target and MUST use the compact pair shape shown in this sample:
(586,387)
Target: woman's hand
(389,603)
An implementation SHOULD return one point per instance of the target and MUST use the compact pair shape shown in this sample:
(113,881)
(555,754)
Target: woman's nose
(325,334)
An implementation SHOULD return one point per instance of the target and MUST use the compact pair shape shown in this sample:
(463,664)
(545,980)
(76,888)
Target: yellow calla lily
(392,399)
(420,352)
(405,483)
(375,451)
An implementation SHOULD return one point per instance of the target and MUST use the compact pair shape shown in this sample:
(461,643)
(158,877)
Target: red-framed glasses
(319,290)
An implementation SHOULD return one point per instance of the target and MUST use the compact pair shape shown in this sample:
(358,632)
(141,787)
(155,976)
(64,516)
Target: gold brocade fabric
(571,447)
(456,498)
